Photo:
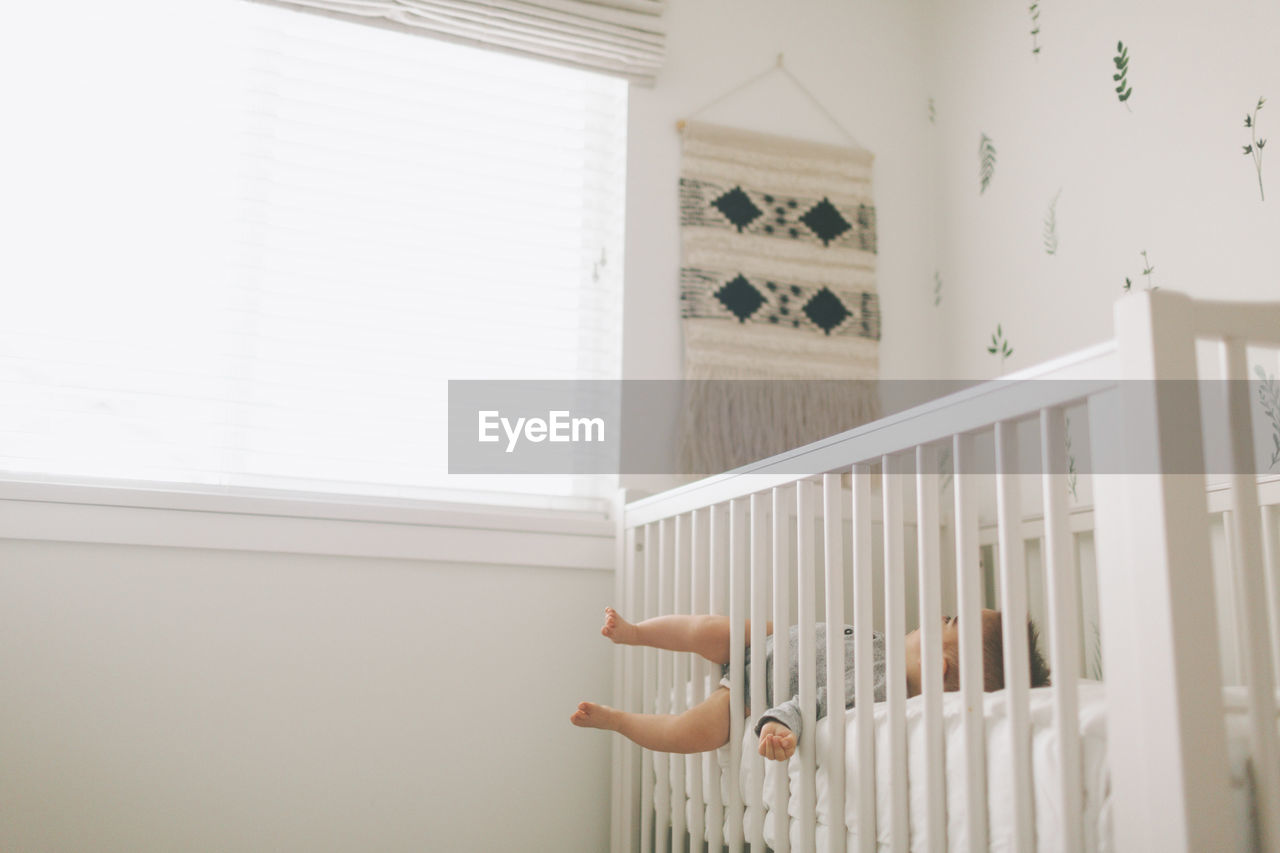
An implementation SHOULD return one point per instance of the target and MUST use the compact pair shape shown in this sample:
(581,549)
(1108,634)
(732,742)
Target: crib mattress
(1045,757)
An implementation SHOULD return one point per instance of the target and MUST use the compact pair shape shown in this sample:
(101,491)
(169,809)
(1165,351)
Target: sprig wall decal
(1000,346)
(933,112)
(937,288)
(1035,30)
(1255,146)
(1051,227)
(986,162)
(1071,463)
(1269,398)
(1121,77)
(1147,270)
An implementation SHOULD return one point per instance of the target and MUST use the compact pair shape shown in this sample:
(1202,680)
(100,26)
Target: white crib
(1120,576)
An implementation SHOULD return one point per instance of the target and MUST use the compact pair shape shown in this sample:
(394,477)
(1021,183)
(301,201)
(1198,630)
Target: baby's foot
(618,629)
(592,716)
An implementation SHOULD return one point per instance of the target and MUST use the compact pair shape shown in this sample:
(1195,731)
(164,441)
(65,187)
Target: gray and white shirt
(788,712)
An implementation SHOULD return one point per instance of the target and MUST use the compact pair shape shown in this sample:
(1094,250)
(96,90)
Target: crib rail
(804,537)
(1076,376)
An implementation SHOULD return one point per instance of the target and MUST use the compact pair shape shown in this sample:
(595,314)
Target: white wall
(1167,174)
(159,699)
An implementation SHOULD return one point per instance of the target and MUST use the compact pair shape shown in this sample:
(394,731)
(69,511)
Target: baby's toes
(590,715)
(610,622)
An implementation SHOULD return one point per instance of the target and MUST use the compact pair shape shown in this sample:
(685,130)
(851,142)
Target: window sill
(257,520)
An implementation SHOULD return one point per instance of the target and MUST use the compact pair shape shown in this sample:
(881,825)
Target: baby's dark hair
(993,654)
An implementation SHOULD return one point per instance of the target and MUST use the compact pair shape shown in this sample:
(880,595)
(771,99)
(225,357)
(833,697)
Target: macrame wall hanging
(777,285)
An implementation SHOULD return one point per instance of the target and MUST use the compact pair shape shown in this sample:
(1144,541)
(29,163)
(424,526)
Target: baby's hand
(777,742)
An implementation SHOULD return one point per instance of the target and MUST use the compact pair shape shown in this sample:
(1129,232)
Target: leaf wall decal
(986,162)
(1269,400)
(1121,77)
(1254,149)
(1051,227)
(1000,346)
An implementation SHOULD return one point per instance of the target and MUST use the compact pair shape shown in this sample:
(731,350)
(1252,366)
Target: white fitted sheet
(1045,754)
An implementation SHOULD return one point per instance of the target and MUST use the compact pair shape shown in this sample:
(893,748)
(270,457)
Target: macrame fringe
(730,423)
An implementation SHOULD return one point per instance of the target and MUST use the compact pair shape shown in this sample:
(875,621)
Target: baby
(706,726)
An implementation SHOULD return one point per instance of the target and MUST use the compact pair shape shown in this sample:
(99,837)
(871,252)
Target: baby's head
(992,655)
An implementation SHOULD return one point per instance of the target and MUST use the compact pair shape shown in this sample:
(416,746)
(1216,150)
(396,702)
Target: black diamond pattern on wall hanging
(826,310)
(738,208)
(814,307)
(740,298)
(818,219)
(824,220)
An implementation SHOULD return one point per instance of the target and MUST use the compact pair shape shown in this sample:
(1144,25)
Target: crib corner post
(1166,736)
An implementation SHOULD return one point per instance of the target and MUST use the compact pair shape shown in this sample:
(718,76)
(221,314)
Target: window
(249,246)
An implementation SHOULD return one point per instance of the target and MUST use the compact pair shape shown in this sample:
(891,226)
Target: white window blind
(622,37)
(252,252)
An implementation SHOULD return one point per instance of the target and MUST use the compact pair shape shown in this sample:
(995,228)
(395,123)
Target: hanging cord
(778,66)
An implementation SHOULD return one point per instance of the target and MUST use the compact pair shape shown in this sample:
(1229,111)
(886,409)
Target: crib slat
(666,685)
(807,664)
(1013,595)
(1233,662)
(649,687)
(781,667)
(1064,614)
(1251,600)
(864,658)
(931,643)
(699,603)
(833,553)
(618,804)
(895,628)
(969,585)
(1271,563)
(759,657)
(632,693)
(680,668)
(739,566)
(719,526)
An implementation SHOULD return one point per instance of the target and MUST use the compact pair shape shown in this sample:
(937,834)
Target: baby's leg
(699,729)
(703,635)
